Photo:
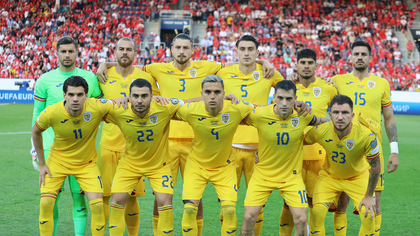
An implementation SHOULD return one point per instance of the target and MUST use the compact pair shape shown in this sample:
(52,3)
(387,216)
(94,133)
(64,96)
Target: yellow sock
(316,225)
(97,223)
(230,223)
(221,217)
(46,219)
(368,225)
(116,220)
(155,223)
(378,221)
(286,222)
(166,220)
(259,223)
(132,216)
(340,223)
(200,223)
(189,219)
(106,208)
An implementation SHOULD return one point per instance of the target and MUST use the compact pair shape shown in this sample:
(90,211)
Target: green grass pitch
(19,192)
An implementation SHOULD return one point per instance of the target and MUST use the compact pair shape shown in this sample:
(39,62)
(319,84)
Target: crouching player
(75,123)
(145,126)
(345,169)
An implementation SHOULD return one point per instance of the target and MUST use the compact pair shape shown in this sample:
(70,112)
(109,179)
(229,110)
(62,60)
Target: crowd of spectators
(29,31)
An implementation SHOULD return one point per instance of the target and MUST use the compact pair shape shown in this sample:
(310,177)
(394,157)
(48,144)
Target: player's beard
(182,61)
(360,67)
(342,128)
(306,76)
(66,65)
(125,64)
(141,110)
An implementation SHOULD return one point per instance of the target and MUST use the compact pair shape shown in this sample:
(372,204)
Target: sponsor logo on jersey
(128,121)
(81,210)
(256,75)
(170,71)
(43,222)
(153,118)
(273,122)
(339,146)
(76,122)
(193,72)
(112,81)
(231,232)
(350,144)
(317,91)
(371,84)
(225,118)
(124,86)
(233,76)
(167,232)
(349,83)
(360,86)
(328,140)
(59,85)
(143,123)
(295,121)
(305,94)
(64,121)
(87,116)
(214,122)
(202,118)
(284,126)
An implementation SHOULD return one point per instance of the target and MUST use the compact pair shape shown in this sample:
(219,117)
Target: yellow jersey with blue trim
(147,137)
(281,142)
(253,88)
(119,87)
(74,139)
(186,84)
(346,157)
(212,144)
(318,96)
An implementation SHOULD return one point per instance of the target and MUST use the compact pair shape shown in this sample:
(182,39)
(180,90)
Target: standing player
(182,79)
(280,131)
(214,122)
(145,126)
(371,95)
(246,81)
(49,91)
(112,143)
(317,94)
(75,123)
(345,168)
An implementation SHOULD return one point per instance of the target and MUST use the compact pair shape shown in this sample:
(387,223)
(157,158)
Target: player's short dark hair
(75,81)
(185,35)
(248,38)
(360,43)
(285,85)
(212,79)
(140,83)
(66,40)
(306,53)
(342,99)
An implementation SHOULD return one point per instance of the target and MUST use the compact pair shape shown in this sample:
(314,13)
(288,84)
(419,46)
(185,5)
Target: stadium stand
(29,31)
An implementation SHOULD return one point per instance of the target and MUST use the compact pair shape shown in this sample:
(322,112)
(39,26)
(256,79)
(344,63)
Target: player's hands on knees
(268,69)
(122,101)
(43,171)
(101,73)
(393,160)
(302,108)
(162,100)
(294,77)
(232,98)
(370,205)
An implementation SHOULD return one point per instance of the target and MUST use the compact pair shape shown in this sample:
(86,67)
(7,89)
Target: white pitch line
(15,133)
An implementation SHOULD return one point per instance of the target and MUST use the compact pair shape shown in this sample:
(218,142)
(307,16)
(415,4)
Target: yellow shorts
(87,175)
(328,189)
(244,161)
(179,149)
(292,191)
(196,179)
(381,181)
(310,172)
(108,162)
(127,176)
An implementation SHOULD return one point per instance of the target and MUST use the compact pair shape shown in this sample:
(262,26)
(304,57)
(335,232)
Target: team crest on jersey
(225,118)
(371,84)
(153,119)
(256,75)
(193,72)
(295,121)
(317,91)
(87,116)
(350,144)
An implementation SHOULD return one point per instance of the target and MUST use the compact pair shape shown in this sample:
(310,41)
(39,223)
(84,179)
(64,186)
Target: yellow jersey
(147,137)
(212,144)
(281,141)
(318,96)
(254,88)
(185,84)
(74,139)
(118,87)
(368,95)
(345,157)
